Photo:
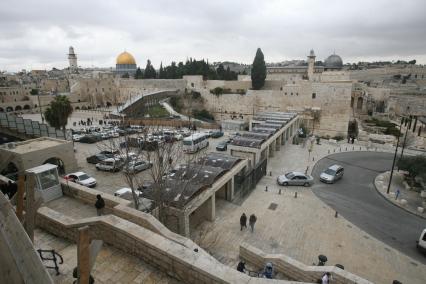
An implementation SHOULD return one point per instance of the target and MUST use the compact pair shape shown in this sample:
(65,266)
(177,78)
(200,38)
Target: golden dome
(126,58)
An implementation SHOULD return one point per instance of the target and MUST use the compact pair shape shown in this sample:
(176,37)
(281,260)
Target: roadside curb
(394,204)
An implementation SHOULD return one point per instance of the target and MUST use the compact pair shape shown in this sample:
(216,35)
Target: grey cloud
(39,32)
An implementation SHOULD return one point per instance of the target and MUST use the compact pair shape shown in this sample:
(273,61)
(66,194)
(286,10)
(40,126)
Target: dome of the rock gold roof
(125,58)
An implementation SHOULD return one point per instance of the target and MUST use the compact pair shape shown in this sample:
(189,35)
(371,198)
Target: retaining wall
(296,270)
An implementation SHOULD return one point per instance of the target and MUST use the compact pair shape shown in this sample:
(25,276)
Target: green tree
(161,73)
(414,165)
(34,92)
(150,72)
(258,71)
(138,74)
(125,75)
(58,112)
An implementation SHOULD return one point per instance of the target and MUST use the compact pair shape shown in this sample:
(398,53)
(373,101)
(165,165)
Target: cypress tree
(258,71)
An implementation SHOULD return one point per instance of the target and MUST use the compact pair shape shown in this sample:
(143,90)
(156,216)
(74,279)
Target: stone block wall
(296,270)
(333,99)
(172,258)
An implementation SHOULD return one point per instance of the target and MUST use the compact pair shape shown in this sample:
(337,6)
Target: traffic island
(400,194)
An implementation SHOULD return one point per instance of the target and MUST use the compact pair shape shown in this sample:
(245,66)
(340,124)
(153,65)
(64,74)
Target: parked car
(216,134)
(137,166)
(94,159)
(77,137)
(421,243)
(81,178)
(126,192)
(295,178)
(332,174)
(90,139)
(110,152)
(222,146)
(110,165)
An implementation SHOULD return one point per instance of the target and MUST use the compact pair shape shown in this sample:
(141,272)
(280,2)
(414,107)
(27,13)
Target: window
(314,95)
(192,84)
(291,93)
(48,179)
(285,93)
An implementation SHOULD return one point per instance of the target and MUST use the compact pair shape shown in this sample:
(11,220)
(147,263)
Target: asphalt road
(356,199)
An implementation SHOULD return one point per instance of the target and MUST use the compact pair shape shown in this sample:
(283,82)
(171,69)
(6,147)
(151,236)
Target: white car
(114,134)
(110,165)
(125,191)
(137,166)
(81,178)
(77,137)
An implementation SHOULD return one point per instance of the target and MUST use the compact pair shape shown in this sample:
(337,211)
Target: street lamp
(394,157)
(406,132)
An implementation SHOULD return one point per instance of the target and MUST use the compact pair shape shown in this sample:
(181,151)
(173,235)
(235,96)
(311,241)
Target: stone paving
(112,265)
(305,227)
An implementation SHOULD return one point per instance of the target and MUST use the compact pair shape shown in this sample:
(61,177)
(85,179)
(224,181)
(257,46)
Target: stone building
(72,59)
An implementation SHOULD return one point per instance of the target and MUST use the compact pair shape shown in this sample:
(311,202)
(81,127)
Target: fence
(31,128)
(245,183)
(170,123)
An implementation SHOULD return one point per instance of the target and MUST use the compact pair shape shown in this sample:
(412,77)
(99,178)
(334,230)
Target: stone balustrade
(166,255)
(295,270)
(120,207)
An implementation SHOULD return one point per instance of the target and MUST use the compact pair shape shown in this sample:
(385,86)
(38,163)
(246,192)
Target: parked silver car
(295,178)
(332,174)
(137,166)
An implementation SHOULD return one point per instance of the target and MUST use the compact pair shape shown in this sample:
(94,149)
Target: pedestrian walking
(397,193)
(100,204)
(243,221)
(325,279)
(252,221)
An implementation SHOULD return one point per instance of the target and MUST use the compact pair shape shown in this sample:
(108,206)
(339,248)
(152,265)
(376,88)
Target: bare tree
(164,156)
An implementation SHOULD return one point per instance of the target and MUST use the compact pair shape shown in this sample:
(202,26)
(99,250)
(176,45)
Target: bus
(195,142)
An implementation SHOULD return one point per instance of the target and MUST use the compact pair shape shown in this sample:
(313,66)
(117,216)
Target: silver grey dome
(334,61)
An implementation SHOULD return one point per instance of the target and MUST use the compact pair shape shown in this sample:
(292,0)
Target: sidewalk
(305,227)
(408,200)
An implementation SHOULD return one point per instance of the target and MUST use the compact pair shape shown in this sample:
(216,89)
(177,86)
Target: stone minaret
(72,58)
(311,65)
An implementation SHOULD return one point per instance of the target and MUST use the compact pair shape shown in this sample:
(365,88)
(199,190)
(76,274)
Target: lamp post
(394,157)
(405,137)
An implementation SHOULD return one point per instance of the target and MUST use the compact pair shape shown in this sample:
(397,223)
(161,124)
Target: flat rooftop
(35,145)
(265,124)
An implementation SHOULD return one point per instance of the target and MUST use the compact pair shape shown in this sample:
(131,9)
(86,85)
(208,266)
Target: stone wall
(177,261)
(296,270)
(332,98)
(120,207)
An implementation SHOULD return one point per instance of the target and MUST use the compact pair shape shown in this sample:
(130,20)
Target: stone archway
(27,107)
(359,103)
(10,171)
(58,162)
(77,108)
(108,104)
(1,109)
(17,108)
(9,109)
(83,107)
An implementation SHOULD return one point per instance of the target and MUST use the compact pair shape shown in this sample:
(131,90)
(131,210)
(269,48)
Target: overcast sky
(36,34)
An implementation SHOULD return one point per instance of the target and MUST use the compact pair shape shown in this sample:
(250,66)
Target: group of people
(243,221)
(9,189)
(267,272)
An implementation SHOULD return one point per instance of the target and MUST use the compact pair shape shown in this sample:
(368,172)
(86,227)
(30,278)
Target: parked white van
(421,243)
(110,165)
(195,142)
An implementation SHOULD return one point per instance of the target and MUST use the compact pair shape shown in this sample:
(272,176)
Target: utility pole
(394,158)
(39,106)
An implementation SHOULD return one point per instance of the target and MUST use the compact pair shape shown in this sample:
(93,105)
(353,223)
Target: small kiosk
(46,181)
